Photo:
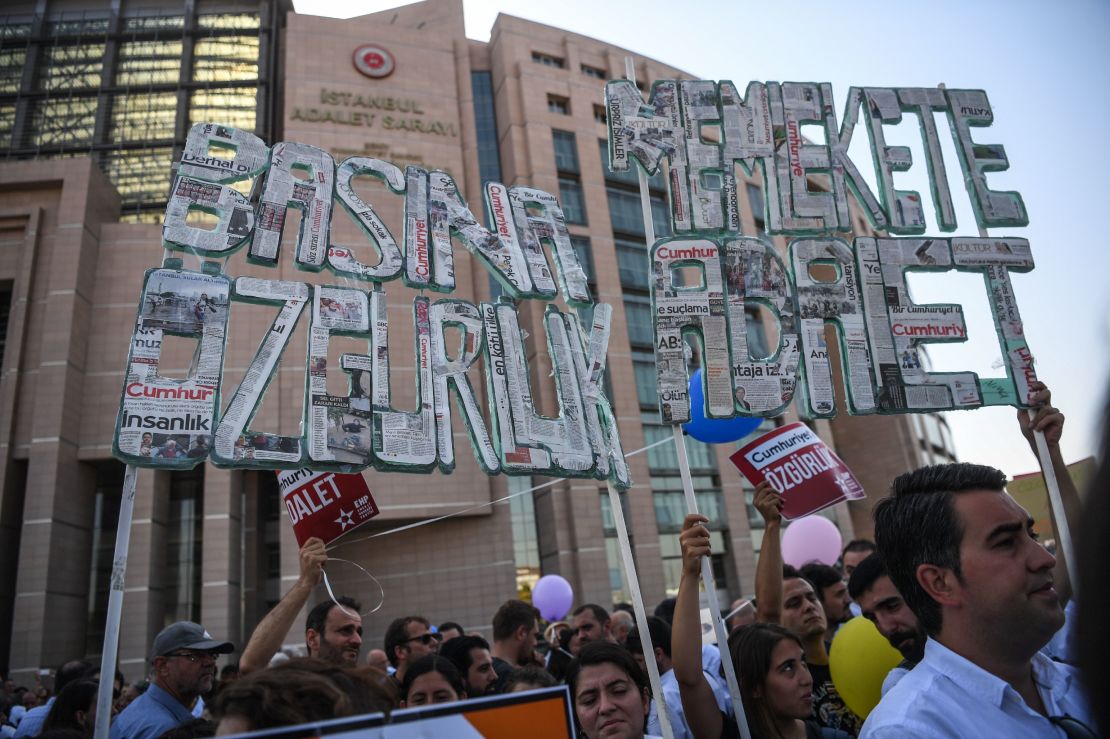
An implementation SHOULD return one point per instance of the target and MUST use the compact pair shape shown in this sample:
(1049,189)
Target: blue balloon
(714,430)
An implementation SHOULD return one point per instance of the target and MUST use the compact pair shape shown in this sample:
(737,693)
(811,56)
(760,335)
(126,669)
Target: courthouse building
(95,101)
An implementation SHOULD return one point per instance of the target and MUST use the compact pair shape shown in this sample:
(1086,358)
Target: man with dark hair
(448,630)
(516,627)
(660,634)
(406,640)
(965,557)
(332,633)
(72,671)
(855,552)
(786,598)
(871,587)
(470,654)
(832,592)
(590,623)
(183,661)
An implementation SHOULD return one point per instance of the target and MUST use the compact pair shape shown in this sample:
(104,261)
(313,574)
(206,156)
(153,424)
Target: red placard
(800,466)
(325,504)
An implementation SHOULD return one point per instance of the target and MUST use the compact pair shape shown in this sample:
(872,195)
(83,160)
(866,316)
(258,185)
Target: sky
(1046,70)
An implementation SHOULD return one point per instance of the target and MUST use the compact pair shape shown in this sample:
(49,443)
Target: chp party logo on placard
(800,466)
(374,61)
(325,504)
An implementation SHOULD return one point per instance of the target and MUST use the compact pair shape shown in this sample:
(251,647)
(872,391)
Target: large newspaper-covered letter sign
(403,441)
(924,102)
(649,133)
(341,258)
(748,139)
(967,109)
(995,259)
(897,327)
(527,442)
(903,206)
(166,422)
(795,209)
(213,157)
(601,424)
(236,445)
(338,427)
(698,309)
(303,177)
(429,258)
(547,226)
(448,373)
(754,274)
(837,301)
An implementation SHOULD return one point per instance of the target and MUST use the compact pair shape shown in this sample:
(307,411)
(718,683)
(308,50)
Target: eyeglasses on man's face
(194,657)
(426,638)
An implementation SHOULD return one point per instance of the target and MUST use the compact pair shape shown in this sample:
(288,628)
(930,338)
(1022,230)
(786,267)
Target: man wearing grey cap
(184,666)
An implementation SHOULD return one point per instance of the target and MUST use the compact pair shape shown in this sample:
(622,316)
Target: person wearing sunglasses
(406,640)
(183,665)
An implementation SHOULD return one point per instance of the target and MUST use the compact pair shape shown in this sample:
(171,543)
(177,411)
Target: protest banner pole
(115,605)
(1052,485)
(688,484)
(641,613)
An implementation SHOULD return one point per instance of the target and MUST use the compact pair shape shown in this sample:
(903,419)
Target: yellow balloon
(859,660)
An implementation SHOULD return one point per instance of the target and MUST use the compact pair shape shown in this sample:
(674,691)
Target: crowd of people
(956,580)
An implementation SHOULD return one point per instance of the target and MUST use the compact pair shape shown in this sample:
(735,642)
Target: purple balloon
(810,539)
(552,597)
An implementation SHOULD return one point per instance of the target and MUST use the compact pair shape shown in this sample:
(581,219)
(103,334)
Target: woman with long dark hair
(775,685)
(74,708)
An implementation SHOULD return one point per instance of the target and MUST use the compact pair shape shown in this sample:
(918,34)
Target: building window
(632,261)
(629,176)
(755,202)
(183,556)
(548,60)
(485,127)
(585,256)
(627,216)
(647,381)
(596,72)
(109,487)
(526,548)
(664,457)
(574,205)
(670,510)
(600,116)
(637,311)
(566,151)
(558,105)
(618,585)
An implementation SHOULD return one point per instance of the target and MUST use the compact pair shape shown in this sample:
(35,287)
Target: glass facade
(618,583)
(111,83)
(109,487)
(183,555)
(485,127)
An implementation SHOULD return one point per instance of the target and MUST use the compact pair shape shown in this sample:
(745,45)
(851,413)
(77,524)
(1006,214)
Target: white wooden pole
(688,486)
(115,605)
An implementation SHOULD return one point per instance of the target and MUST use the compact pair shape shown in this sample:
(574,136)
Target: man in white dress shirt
(965,557)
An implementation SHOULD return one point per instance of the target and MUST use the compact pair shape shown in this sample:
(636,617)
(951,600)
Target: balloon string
(331,593)
(480,506)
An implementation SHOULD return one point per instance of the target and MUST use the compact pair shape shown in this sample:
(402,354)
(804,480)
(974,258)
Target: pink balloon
(809,539)
(552,596)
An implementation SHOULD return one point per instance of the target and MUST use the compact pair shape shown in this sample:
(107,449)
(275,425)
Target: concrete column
(221,558)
